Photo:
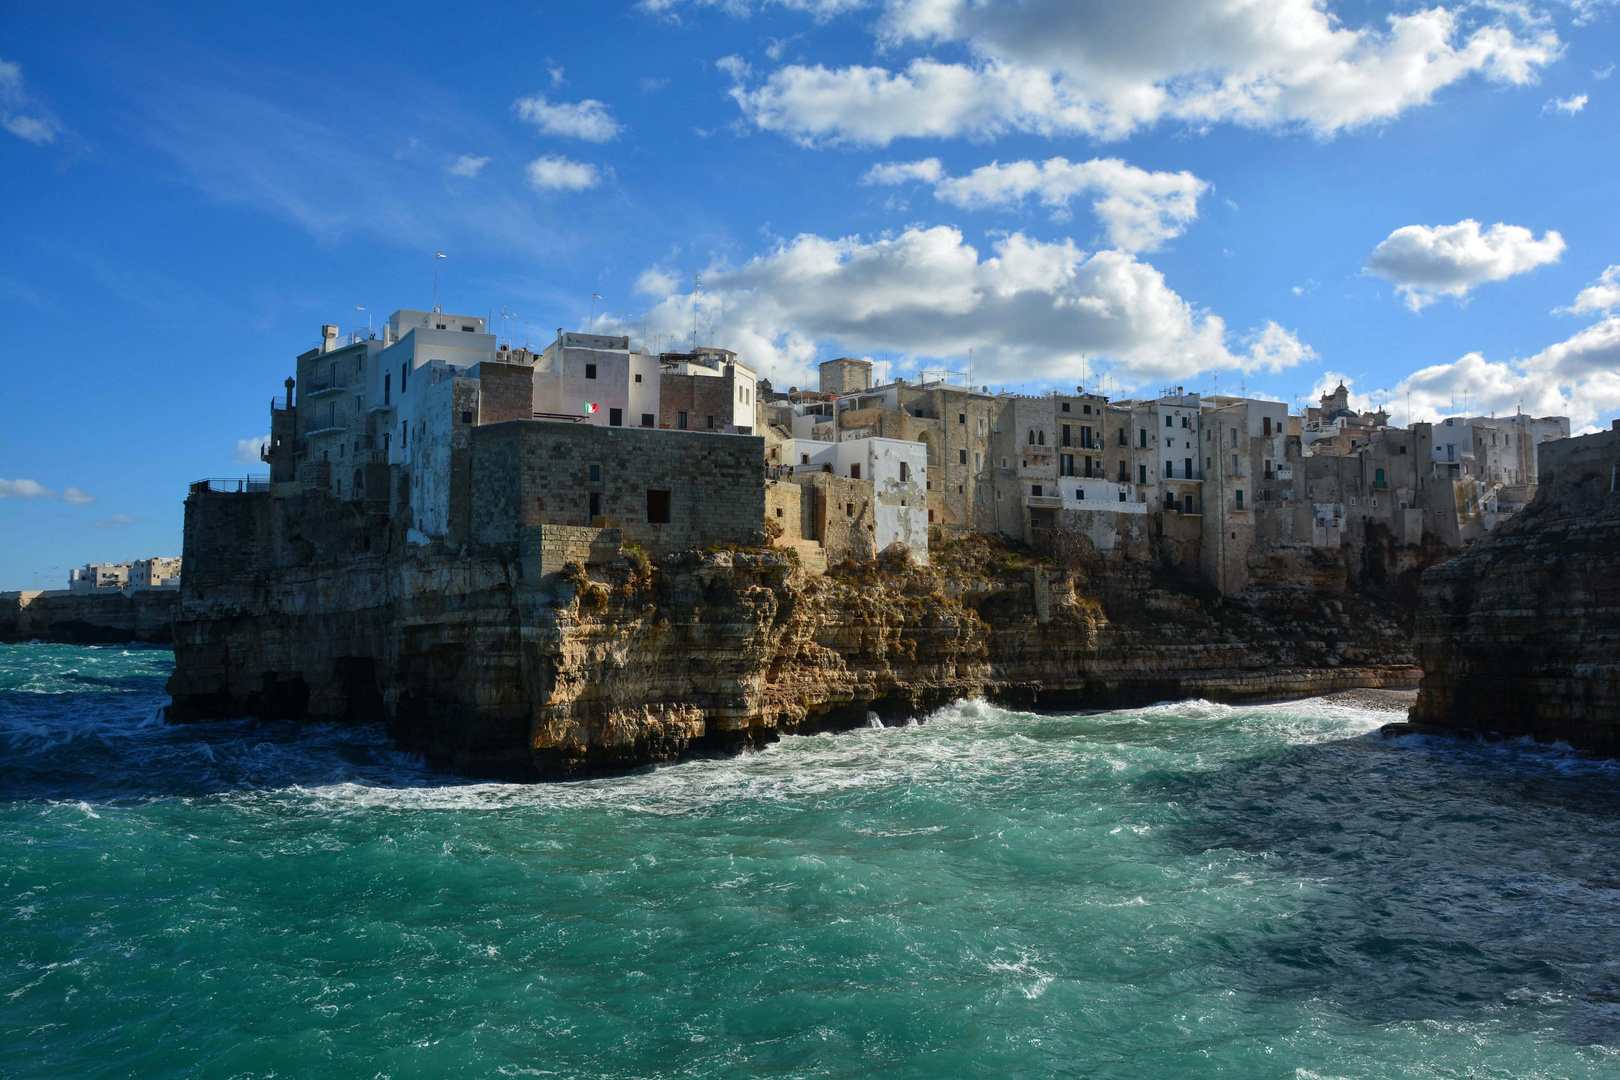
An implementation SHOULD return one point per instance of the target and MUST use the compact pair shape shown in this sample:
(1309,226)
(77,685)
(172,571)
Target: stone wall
(707,400)
(845,520)
(536,472)
(506,392)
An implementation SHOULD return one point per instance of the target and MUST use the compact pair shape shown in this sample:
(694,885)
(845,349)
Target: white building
(599,377)
(896,469)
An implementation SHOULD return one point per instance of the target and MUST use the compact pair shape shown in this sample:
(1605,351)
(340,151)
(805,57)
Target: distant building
(154,573)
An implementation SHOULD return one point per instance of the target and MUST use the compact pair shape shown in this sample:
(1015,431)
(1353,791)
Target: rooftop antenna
(697,292)
(595,296)
(437,255)
(970,367)
(358,309)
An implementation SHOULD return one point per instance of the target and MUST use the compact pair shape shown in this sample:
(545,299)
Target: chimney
(328,338)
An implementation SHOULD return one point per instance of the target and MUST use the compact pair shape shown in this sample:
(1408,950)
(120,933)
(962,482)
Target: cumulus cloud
(1602,295)
(467,165)
(25,489)
(76,497)
(1140,209)
(1578,378)
(1427,262)
(1030,310)
(20,113)
(119,521)
(247,450)
(551,173)
(1105,69)
(1570,105)
(588,120)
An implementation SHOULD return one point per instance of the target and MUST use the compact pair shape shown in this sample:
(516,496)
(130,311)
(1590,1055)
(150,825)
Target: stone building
(707,389)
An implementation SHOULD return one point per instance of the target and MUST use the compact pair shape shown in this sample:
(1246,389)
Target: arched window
(1032,436)
(1042,438)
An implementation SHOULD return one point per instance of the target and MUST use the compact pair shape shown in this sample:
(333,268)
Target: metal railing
(231,485)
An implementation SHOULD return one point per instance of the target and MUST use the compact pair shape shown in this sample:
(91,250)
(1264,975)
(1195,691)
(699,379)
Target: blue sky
(1273,194)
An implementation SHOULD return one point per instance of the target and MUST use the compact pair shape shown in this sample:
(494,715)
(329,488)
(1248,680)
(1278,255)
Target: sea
(1185,890)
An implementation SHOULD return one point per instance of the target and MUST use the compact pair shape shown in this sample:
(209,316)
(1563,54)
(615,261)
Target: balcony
(1044,502)
(235,485)
(1284,472)
(1184,475)
(315,390)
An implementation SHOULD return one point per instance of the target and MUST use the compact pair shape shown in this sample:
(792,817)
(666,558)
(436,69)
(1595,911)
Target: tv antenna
(697,293)
(595,296)
(437,255)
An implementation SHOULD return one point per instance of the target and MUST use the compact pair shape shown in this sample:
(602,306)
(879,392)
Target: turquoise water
(1188,890)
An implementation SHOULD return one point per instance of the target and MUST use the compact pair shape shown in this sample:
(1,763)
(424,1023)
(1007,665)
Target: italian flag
(590,407)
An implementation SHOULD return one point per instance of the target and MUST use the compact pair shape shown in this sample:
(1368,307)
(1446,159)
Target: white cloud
(1602,295)
(588,120)
(76,497)
(1427,262)
(735,66)
(1603,73)
(551,173)
(467,165)
(20,114)
(25,489)
(1105,69)
(1578,378)
(119,521)
(656,281)
(928,171)
(556,73)
(1140,209)
(1570,105)
(247,450)
(1031,311)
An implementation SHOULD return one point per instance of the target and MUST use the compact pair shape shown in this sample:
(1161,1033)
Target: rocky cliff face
(93,617)
(626,663)
(1521,634)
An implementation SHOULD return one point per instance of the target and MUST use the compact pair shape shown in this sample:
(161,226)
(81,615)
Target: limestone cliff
(1521,634)
(613,664)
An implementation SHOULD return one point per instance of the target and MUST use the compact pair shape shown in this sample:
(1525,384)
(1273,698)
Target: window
(1124,474)
(658,507)
(961,418)
(469,330)
(1234,436)
(981,428)
(1187,462)
(404,375)
(616,418)
(930,517)
(648,420)
(334,375)
(1188,503)
(905,472)
(1088,410)
(1240,498)
(975,461)
(1032,436)
(387,438)
(849,509)
(961,457)
(1143,440)
(1141,471)
(1169,501)
(1066,465)
(1265,427)
(331,413)
(804,459)
(1003,463)
(596,474)
(590,371)
(1169,421)
(388,378)
(404,433)
(1066,435)
(854,472)
(680,419)
(711,423)
(1124,440)
(466,416)
(1066,407)
(1403,449)
(980,493)
(596,506)
(1080,494)
(439,326)
(1088,467)
(1183,421)
(638,376)
(1040,437)
(1035,490)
